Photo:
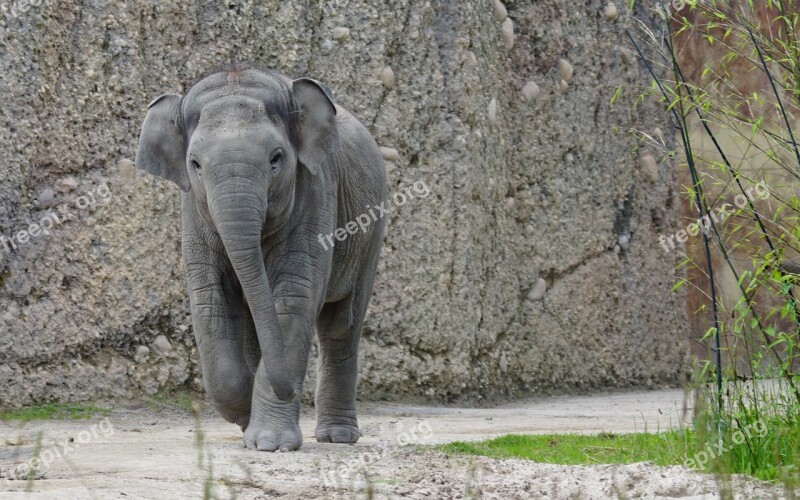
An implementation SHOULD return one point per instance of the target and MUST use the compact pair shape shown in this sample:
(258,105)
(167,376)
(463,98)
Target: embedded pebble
(69,184)
(530,91)
(610,11)
(508,33)
(624,241)
(326,46)
(163,375)
(493,110)
(649,167)
(387,77)
(500,12)
(390,154)
(141,354)
(161,345)
(126,168)
(565,69)
(340,34)
(538,290)
(46,198)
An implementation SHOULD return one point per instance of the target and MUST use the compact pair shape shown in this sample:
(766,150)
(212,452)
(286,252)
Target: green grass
(769,449)
(54,411)
(577,449)
(183,400)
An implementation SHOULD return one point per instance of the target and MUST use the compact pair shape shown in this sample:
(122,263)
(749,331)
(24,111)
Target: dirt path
(143,452)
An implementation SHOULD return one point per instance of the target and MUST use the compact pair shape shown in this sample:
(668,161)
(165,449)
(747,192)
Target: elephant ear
(318,134)
(161,151)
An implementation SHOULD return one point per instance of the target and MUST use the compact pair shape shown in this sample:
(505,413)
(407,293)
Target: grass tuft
(183,400)
(667,448)
(769,451)
(54,411)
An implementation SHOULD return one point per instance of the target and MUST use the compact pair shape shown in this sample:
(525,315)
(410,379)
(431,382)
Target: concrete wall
(533,264)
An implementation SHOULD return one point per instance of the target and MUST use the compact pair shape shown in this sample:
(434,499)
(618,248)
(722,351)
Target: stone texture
(610,11)
(508,33)
(340,34)
(46,198)
(649,167)
(69,184)
(387,77)
(451,317)
(390,154)
(565,69)
(538,290)
(500,11)
(161,345)
(126,168)
(530,91)
(492,111)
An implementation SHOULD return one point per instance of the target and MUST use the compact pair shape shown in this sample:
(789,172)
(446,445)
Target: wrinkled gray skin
(266,164)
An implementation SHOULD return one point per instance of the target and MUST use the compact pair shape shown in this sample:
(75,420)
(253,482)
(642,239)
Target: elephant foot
(269,439)
(234,416)
(333,433)
(243,422)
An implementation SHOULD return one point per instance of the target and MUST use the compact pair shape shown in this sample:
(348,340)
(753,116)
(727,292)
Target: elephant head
(237,143)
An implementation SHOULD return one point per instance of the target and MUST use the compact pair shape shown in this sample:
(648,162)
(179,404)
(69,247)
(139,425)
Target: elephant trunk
(239,211)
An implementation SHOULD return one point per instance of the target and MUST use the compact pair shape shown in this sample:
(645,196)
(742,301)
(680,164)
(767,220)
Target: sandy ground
(155,452)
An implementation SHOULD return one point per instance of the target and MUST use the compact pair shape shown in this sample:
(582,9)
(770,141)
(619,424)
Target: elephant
(266,164)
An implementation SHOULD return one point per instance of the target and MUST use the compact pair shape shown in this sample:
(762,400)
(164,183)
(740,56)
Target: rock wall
(532,266)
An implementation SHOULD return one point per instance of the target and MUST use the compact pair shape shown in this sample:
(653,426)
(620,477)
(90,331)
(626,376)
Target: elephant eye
(276,160)
(196,165)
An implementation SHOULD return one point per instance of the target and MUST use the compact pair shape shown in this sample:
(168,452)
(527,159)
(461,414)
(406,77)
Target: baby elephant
(266,164)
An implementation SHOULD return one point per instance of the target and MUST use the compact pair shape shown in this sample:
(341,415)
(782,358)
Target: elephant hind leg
(337,373)
(339,331)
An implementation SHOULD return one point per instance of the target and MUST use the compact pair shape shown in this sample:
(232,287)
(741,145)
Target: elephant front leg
(274,424)
(221,325)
